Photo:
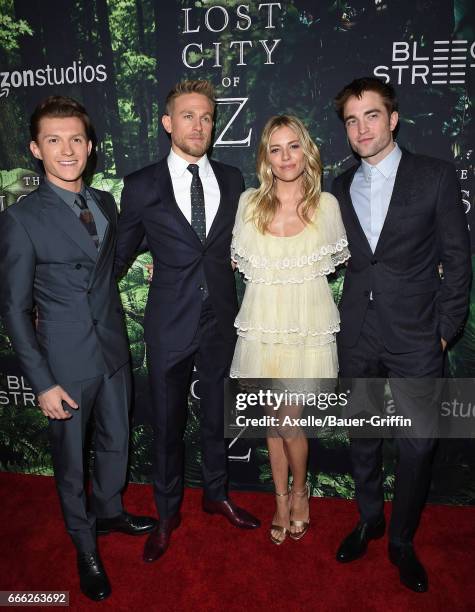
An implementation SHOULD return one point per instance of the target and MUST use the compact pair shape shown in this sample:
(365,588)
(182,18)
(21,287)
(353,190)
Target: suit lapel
(398,199)
(354,217)
(107,242)
(222,183)
(165,187)
(59,213)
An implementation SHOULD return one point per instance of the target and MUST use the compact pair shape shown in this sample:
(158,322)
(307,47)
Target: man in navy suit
(185,207)
(57,255)
(404,217)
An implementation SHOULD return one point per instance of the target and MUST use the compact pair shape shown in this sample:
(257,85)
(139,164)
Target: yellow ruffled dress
(288,320)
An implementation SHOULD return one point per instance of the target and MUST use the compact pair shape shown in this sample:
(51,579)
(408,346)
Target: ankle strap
(282,494)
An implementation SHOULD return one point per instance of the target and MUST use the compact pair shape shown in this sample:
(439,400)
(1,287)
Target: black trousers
(370,359)
(170,375)
(108,401)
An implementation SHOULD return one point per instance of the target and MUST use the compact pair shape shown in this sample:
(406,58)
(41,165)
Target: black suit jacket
(48,259)
(425,226)
(181,262)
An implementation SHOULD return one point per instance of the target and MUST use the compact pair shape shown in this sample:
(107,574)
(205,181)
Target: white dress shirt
(371,191)
(181,181)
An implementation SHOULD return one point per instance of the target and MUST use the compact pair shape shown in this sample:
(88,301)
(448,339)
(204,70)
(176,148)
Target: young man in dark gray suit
(404,217)
(56,255)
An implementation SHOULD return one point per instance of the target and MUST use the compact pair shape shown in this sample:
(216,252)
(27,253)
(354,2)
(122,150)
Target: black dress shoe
(92,576)
(125,523)
(235,515)
(355,544)
(411,570)
(158,541)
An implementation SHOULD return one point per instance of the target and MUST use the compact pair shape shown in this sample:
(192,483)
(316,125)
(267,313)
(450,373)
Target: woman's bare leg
(280,474)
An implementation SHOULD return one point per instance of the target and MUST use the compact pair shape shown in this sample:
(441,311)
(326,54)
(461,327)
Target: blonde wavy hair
(264,202)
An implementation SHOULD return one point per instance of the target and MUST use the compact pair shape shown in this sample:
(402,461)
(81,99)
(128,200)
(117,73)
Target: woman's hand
(149,268)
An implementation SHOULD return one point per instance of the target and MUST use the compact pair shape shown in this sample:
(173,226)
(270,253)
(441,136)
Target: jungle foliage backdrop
(120,58)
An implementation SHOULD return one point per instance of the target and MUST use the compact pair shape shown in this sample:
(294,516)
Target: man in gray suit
(56,254)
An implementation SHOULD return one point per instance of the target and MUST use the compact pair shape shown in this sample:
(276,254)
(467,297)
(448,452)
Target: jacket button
(78,266)
(89,291)
(201,287)
(95,321)
(366,293)
(374,262)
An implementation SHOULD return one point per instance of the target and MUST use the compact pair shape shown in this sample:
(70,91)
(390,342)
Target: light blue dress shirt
(371,191)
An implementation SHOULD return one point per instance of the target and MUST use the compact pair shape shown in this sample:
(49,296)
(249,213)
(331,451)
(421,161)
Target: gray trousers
(108,401)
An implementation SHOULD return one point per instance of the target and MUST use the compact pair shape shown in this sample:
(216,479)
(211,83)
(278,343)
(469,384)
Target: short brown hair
(359,86)
(204,88)
(60,106)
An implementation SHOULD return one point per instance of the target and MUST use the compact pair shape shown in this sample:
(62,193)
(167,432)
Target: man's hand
(443,341)
(51,406)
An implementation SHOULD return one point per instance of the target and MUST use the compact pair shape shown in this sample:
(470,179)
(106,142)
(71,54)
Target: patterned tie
(87,219)
(198,217)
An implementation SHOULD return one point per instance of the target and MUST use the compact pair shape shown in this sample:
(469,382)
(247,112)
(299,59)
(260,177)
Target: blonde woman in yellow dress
(288,237)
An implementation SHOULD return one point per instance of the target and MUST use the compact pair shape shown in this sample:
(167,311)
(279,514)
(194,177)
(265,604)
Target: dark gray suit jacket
(48,259)
(425,225)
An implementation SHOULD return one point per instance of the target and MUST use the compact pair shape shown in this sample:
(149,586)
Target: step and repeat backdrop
(121,57)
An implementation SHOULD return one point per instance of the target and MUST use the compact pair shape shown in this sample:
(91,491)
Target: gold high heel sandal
(283,530)
(304,524)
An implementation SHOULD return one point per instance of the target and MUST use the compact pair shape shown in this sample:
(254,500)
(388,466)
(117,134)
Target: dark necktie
(198,216)
(87,219)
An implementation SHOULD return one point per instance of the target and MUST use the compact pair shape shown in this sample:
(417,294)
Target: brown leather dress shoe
(235,515)
(158,541)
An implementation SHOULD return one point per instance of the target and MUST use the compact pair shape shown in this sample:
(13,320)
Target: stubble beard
(375,149)
(195,150)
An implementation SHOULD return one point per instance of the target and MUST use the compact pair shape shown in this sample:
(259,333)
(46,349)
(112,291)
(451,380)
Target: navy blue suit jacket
(181,262)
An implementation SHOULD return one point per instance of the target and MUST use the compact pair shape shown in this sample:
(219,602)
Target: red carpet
(212,566)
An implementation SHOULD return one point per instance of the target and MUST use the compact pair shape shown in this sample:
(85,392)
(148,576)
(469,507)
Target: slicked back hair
(205,88)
